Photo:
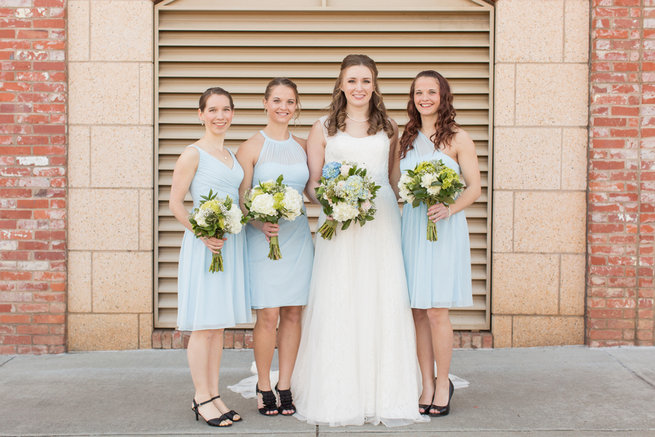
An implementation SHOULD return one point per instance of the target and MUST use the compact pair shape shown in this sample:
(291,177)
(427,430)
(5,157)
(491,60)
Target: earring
(202,122)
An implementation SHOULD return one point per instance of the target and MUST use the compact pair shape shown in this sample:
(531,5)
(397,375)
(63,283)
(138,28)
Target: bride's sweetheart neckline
(358,138)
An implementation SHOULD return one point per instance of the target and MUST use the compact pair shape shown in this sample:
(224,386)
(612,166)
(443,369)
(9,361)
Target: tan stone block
(87,332)
(145,219)
(531,331)
(78,30)
(574,158)
(525,283)
(146,93)
(121,31)
(145,331)
(527,158)
(121,156)
(551,94)
(79,156)
(576,31)
(122,282)
(79,282)
(572,285)
(529,30)
(503,221)
(501,328)
(103,93)
(550,221)
(103,219)
(504,92)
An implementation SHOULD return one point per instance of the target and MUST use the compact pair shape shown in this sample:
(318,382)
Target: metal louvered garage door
(204,43)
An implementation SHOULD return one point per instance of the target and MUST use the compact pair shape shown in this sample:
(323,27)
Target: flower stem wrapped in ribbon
(271,201)
(214,218)
(346,194)
(430,182)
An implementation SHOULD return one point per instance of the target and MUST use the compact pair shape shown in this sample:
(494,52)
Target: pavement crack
(618,360)
(11,358)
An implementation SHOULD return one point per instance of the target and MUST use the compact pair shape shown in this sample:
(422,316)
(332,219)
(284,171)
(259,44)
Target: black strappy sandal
(270,402)
(221,421)
(445,410)
(286,401)
(230,414)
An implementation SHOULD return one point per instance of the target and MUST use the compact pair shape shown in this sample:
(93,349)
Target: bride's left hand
(438,212)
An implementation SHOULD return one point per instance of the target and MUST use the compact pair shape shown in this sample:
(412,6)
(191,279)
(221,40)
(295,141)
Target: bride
(357,358)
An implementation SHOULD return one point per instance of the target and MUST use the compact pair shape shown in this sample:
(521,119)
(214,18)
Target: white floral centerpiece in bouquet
(214,218)
(271,201)
(430,182)
(346,194)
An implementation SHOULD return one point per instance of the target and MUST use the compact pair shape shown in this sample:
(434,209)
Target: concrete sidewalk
(569,391)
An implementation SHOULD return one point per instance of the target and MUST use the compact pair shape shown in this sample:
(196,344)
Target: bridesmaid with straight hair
(278,288)
(209,302)
(439,272)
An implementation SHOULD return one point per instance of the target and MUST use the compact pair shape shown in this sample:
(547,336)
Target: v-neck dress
(438,272)
(213,300)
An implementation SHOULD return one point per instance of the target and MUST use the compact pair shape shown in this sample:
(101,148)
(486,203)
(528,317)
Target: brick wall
(32,176)
(621,197)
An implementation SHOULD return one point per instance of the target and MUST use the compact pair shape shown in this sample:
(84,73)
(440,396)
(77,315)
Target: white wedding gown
(357,360)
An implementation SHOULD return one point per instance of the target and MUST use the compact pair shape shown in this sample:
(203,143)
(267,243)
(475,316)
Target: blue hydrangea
(331,170)
(354,186)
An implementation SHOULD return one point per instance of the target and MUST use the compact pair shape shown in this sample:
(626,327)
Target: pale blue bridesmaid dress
(438,272)
(283,282)
(213,300)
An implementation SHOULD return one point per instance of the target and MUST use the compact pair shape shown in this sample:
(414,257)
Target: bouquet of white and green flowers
(215,218)
(346,194)
(271,201)
(430,182)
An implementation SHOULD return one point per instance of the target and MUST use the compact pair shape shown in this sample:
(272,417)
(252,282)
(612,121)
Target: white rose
(366,205)
(234,217)
(427,179)
(264,204)
(406,195)
(345,168)
(200,217)
(434,190)
(292,203)
(344,211)
(404,180)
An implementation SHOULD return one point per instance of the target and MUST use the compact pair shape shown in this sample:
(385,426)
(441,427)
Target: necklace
(354,119)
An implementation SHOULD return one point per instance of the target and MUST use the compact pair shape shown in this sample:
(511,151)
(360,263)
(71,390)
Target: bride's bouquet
(430,182)
(215,218)
(346,194)
(271,201)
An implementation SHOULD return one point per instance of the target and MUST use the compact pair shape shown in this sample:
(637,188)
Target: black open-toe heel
(286,401)
(426,407)
(223,420)
(270,402)
(443,411)
(230,414)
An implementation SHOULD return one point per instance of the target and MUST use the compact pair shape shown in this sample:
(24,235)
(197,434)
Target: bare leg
(442,340)
(215,354)
(288,345)
(199,355)
(264,335)
(425,354)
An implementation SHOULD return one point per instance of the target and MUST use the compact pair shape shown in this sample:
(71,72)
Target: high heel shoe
(270,402)
(445,410)
(230,414)
(223,420)
(286,401)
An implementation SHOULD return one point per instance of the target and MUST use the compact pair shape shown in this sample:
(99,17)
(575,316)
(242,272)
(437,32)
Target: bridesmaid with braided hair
(438,272)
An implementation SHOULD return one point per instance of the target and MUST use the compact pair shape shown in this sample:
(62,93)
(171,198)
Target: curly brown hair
(446,127)
(377,112)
